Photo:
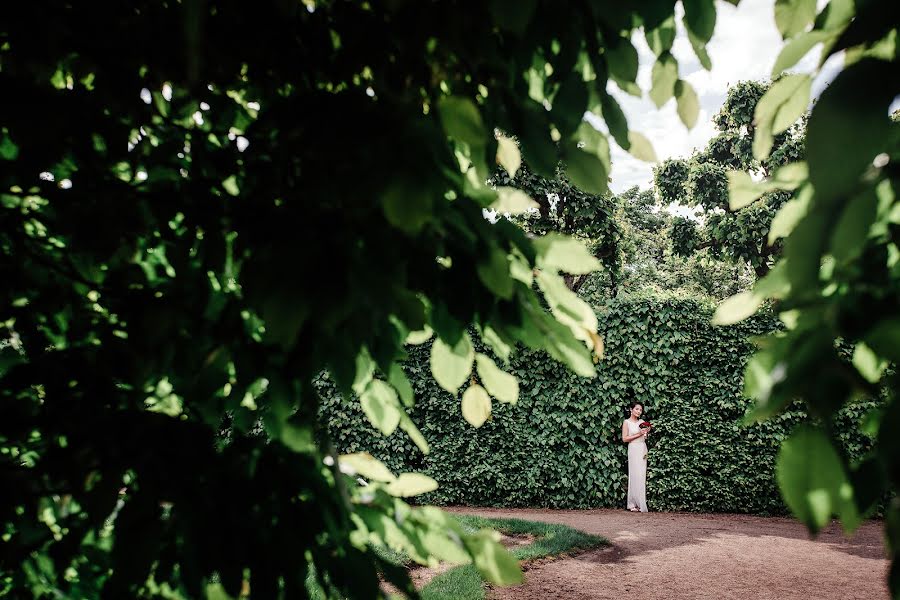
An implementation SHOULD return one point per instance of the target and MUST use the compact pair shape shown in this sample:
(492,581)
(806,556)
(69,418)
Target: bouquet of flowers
(649,427)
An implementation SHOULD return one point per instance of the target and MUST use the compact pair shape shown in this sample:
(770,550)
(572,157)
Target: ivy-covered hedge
(560,445)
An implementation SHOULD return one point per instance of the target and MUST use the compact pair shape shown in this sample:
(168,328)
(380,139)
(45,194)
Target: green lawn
(464,582)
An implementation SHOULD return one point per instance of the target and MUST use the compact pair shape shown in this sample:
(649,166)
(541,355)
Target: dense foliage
(560,447)
(630,233)
(651,265)
(560,207)
(838,282)
(205,205)
(702,180)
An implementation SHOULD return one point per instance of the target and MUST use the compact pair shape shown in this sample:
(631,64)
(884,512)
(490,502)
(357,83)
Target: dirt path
(681,556)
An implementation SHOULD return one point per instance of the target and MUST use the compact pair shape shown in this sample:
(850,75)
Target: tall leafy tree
(650,264)
(647,264)
(557,206)
(838,282)
(206,205)
(701,181)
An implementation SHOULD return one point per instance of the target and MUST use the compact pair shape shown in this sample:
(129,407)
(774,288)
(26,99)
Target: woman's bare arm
(629,438)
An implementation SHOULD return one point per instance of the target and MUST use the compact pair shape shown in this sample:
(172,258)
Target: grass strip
(464,582)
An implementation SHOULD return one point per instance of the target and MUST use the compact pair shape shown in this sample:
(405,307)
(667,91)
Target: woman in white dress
(634,436)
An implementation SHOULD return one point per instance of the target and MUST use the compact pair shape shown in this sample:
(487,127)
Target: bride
(633,435)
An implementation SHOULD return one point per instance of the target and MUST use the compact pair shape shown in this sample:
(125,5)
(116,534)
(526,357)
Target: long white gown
(637,468)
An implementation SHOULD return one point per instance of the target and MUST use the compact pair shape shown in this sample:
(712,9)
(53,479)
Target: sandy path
(681,556)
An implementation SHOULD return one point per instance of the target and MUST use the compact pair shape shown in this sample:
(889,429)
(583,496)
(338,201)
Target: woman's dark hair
(631,405)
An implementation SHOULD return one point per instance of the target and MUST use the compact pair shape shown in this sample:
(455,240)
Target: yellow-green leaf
(298,438)
(501,385)
(513,201)
(365,464)
(452,365)
(869,364)
(688,103)
(778,109)
(230,185)
(492,560)
(563,253)
(814,482)
(381,406)
(742,190)
(661,38)
(363,370)
(789,215)
(775,284)
(414,434)
(594,142)
(663,76)
(568,308)
(640,147)
(476,405)
(599,345)
(419,337)
(700,50)
(397,378)
(216,591)
(411,484)
(563,345)
(793,16)
(520,270)
(737,308)
(791,176)
(508,155)
(443,547)
(794,107)
(496,342)
(796,48)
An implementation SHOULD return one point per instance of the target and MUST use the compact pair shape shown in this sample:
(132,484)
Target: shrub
(560,445)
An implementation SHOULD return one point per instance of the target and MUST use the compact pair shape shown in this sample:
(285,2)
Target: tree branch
(579,281)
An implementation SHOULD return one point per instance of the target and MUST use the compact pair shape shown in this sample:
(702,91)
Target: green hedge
(560,445)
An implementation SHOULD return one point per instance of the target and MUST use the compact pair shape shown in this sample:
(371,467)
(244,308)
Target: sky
(744,46)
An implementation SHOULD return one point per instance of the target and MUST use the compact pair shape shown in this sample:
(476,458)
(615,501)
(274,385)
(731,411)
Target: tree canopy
(837,284)
(560,207)
(702,181)
(206,205)
(649,264)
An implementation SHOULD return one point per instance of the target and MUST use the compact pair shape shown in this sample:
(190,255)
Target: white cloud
(745,45)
